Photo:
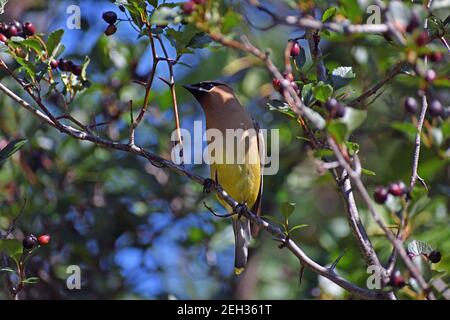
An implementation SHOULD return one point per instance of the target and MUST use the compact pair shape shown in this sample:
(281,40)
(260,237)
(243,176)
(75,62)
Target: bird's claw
(240,209)
(208,185)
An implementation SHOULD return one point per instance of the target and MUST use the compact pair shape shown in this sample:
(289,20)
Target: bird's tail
(241,228)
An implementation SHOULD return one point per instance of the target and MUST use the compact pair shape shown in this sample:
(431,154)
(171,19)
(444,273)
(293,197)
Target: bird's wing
(261,148)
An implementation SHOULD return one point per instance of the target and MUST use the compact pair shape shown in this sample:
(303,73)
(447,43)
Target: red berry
(109,17)
(199,1)
(3,38)
(380,195)
(11,31)
(54,64)
(436,109)
(188,7)
(430,75)
(276,84)
(436,56)
(411,105)
(397,280)
(29,29)
(44,239)
(29,242)
(422,39)
(396,189)
(295,50)
(110,30)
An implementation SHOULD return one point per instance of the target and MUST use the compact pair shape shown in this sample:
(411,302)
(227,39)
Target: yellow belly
(240,181)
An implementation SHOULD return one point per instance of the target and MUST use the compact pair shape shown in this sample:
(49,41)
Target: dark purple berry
(11,31)
(76,70)
(340,111)
(414,22)
(29,242)
(110,30)
(199,1)
(332,104)
(434,256)
(422,39)
(109,17)
(436,109)
(64,65)
(380,195)
(411,105)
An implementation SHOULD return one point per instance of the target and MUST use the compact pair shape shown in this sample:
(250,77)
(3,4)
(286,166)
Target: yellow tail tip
(238,271)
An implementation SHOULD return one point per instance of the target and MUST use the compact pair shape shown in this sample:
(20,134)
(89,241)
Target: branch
(397,69)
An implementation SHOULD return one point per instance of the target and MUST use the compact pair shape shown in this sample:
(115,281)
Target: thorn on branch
(335,263)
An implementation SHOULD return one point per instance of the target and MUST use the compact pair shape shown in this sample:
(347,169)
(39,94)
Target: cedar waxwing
(241,177)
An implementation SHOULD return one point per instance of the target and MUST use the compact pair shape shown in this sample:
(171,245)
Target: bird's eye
(208,86)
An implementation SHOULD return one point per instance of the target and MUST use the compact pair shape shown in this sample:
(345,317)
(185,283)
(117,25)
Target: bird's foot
(208,185)
(240,209)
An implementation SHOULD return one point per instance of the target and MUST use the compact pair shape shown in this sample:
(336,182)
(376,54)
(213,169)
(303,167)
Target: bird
(241,177)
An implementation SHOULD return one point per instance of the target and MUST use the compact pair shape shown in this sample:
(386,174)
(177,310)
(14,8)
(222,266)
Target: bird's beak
(191,88)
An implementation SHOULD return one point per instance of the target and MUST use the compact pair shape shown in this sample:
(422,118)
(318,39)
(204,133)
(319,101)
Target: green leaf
(84,67)
(330,12)
(7,270)
(53,42)
(287,208)
(230,20)
(307,94)
(322,91)
(34,44)
(352,147)
(417,247)
(11,148)
(353,119)
(342,76)
(12,247)
(181,39)
(368,172)
(153,3)
(338,130)
(31,280)
(299,226)
(165,15)
(407,128)
(282,107)
(28,67)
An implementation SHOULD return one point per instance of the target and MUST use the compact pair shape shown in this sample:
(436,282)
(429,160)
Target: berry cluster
(110,17)
(31,241)
(435,108)
(16,29)
(66,66)
(397,189)
(189,7)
